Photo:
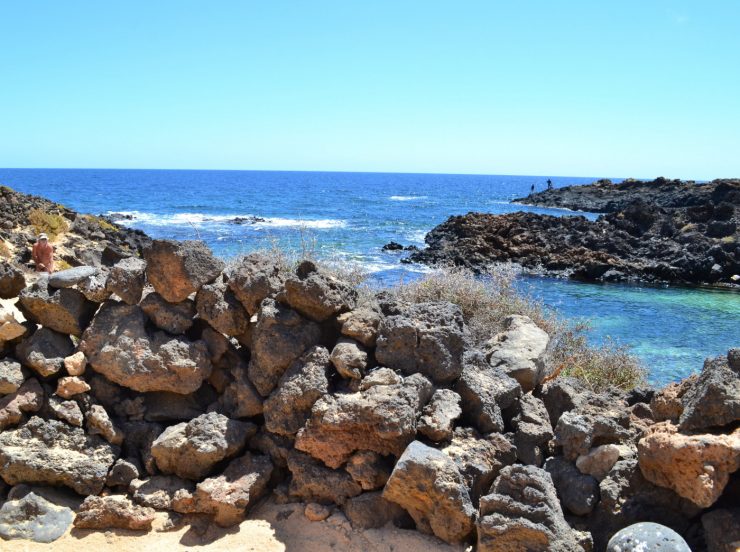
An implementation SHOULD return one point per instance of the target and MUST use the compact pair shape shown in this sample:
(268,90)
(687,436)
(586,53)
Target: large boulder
(54,453)
(696,467)
(520,351)
(72,276)
(303,383)
(714,399)
(428,485)
(118,346)
(34,518)
(12,280)
(191,450)
(485,391)
(425,338)
(522,513)
(382,418)
(28,398)
(45,351)
(64,310)
(177,269)
(174,318)
(316,294)
(126,279)
(312,481)
(255,278)
(230,495)
(113,512)
(280,336)
(217,305)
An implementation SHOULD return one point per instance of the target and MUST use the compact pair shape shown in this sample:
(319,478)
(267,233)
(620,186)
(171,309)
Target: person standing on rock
(531,190)
(549,184)
(43,254)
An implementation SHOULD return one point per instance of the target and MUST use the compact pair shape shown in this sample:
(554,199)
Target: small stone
(126,279)
(349,358)
(316,512)
(70,386)
(75,364)
(123,472)
(11,376)
(28,398)
(113,512)
(647,536)
(599,461)
(66,411)
(439,415)
(99,423)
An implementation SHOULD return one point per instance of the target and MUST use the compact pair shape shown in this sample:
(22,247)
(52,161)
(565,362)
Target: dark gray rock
(317,294)
(255,278)
(301,385)
(382,419)
(126,279)
(66,411)
(159,491)
(722,529)
(64,310)
(578,493)
(372,511)
(485,391)
(280,336)
(163,406)
(439,415)
(45,351)
(532,430)
(275,446)
(714,399)
(428,485)
(647,536)
(217,305)
(178,269)
(520,350)
(118,345)
(71,277)
(562,395)
(578,431)
(191,450)
(28,398)
(240,398)
(34,518)
(312,481)
(174,318)
(12,280)
(522,512)
(54,453)
(425,338)
(123,472)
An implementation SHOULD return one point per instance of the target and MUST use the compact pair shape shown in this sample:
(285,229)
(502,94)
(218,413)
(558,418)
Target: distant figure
(549,184)
(531,190)
(43,255)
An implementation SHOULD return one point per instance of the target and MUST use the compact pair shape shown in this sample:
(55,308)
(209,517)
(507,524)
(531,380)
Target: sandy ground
(270,528)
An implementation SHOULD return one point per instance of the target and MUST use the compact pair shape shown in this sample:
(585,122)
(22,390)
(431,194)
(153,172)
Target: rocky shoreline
(655,232)
(169,387)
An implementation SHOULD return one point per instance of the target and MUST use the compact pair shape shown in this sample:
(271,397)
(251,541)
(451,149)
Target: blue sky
(629,88)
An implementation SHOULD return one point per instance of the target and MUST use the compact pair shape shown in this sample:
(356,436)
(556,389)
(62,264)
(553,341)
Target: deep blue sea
(350,216)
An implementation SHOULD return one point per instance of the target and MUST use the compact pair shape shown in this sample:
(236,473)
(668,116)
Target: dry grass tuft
(48,223)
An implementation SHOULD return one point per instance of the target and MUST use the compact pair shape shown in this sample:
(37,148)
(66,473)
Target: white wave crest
(407,198)
(130,218)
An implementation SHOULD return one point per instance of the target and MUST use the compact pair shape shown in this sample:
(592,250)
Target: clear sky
(630,88)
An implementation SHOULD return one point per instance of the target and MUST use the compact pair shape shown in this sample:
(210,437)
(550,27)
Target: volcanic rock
(12,280)
(254,279)
(578,493)
(312,481)
(34,518)
(45,351)
(519,351)
(372,511)
(11,376)
(71,277)
(28,398)
(174,318)
(126,279)
(533,430)
(113,512)
(714,399)
(63,310)
(369,469)
(439,415)
(316,294)
(349,358)
(362,323)
(647,536)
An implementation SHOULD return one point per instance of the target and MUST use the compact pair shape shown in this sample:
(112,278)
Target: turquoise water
(350,216)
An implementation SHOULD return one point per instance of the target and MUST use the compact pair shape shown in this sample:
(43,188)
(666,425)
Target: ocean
(348,217)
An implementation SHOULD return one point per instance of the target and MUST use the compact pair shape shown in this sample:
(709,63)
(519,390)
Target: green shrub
(51,224)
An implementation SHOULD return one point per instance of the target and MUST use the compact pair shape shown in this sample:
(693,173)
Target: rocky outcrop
(54,453)
(638,240)
(428,485)
(118,345)
(178,269)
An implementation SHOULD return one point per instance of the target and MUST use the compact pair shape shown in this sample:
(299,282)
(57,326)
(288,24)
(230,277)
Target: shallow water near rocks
(350,216)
